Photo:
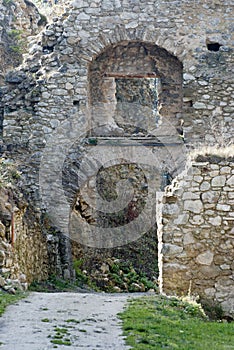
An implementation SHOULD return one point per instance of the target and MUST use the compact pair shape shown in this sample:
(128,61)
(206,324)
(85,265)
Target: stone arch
(126,58)
(99,43)
(137,59)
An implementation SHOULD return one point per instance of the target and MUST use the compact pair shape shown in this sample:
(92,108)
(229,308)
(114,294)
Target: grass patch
(61,330)
(61,336)
(83,280)
(61,342)
(72,320)
(7,299)
(82,330)
(57,284)
(159,322)
(212,153)
(53,284)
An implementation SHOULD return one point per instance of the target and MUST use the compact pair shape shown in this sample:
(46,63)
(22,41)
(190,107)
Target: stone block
(198,179)
(205,258)
(83,17)
(182,219)
(171,250)
(188,238)
(210,292)
(225,170)
(210,197)
(223,207)
(225,267)
(230,181)
(2,282)
(214,173)
(199,105)
(205,186)
(2,258)
(195,206)
(173,267)
(197,220)
(203,82)
(170,209)
(191,195)
(218,181)
(2,230)
(210,272)
(188,76)
(228,305)
(215,221)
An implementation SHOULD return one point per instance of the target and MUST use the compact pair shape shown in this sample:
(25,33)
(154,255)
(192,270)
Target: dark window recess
(76,103)
(213,46)
(47,49)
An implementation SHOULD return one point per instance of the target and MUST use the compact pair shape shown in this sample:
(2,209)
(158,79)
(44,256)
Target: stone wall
(140,251)
(51,103)
(57,81)
(23,246)
(195,223)
(137,105)
(18,21)
(59,77)
(138,60)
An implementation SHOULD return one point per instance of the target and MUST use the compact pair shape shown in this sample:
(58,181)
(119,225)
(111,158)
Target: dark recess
(213,47)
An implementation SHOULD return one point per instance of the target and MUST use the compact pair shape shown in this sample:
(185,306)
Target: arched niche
(144,68)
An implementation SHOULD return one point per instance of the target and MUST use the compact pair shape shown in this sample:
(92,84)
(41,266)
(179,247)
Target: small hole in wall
(213,46)
(188,103)
(76,103)
(47,49)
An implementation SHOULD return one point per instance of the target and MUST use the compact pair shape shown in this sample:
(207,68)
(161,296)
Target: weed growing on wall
(212,152)
(18,44)
(8,173)
(7,2)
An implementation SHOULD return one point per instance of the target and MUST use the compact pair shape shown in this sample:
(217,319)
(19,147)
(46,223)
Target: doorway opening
(133,88)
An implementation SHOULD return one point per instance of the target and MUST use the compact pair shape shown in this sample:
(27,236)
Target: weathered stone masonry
(195,226)
(23,246)
(18,21)
(76,61)
(58,66)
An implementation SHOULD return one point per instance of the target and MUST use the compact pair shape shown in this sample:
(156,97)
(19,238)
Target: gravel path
(86,321)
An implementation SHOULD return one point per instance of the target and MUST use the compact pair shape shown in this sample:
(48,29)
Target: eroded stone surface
(72,66)
(206,239)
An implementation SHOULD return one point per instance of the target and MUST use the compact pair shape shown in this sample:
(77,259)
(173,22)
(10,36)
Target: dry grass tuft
(224,152)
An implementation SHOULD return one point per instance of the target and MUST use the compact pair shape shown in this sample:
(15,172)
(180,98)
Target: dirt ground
(72,321)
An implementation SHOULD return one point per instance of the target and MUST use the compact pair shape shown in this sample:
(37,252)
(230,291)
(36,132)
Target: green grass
(57,284)
(7,299)
(72,320)
(61,336)
(61,330)
(53,284)
(169,323)
(61,342)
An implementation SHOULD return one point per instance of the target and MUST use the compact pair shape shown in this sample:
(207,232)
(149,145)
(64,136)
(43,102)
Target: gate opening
(133,88)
